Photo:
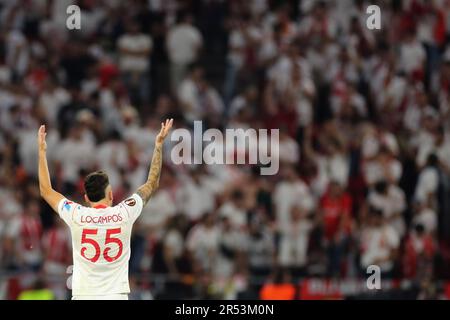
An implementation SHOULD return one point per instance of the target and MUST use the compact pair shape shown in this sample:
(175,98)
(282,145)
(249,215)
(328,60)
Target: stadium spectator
(336,219)
(184,42)
(203,244)
(25,232)
(379,244)
(135,47)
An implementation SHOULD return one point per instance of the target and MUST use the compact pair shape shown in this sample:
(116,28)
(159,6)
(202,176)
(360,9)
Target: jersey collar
(100,206)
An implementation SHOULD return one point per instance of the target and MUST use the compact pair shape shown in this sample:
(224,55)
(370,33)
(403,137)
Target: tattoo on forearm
(148,188)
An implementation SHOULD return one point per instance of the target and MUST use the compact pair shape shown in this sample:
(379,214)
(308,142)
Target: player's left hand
(165,128)
(41,138)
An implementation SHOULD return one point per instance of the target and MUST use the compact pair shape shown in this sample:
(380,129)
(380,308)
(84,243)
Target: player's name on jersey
(101,219)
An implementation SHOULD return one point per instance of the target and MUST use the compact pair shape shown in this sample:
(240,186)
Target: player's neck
(100,204)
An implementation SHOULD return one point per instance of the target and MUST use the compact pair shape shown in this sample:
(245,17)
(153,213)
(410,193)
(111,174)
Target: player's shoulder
(68,205)
(132,202)
(68,209)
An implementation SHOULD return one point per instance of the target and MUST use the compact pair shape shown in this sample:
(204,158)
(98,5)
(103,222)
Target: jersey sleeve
(66,209)
(133,205)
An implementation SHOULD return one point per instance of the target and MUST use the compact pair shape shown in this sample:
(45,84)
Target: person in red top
(57,249)
(24,234)
(335,218)
(418,253)
(56,243)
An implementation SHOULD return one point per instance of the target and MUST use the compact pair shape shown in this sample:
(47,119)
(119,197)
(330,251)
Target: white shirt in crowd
(319,183)
(338,168)
(203,242)
(414,116)
(183,42)
(377,245)
(427,184)
(392,91)
(195,199)
(17,52)
(158,211)
(112,156)
(238,41)
(137,43)
(294,244)
(52,101)
(289,151)
(394,202)
(74,155)
(281,71)
(237,216)
(28,151)
(175,242)
(412,56)
(9,203)
(374,171)
(428,218)
(233,240)
(384,138)
(197,103)
(236,45)
(288,195)
(13,230)
(442,152)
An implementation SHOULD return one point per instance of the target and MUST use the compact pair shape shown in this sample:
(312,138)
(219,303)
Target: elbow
(154,188)
(43,191)
(154,185)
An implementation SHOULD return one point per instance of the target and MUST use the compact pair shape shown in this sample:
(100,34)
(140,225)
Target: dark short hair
(237,195)
(381,187)
(420,228)
(95,185)
(375,212)
(432,160)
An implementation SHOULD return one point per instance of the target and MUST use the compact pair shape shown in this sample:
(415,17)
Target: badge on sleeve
(130,202)
(66,205)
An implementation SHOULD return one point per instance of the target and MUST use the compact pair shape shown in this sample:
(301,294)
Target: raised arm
(45,186)
(148,188)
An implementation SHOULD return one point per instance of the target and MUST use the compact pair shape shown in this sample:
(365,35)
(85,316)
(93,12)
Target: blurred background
(364,119)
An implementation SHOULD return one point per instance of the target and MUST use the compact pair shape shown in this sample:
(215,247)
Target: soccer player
(100,231)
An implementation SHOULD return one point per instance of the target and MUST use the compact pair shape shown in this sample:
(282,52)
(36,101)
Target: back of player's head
(95,185)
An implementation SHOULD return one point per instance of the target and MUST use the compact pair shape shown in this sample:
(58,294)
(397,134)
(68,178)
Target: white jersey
(101,245)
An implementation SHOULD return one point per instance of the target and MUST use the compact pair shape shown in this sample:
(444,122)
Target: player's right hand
(41,138)
(165,128)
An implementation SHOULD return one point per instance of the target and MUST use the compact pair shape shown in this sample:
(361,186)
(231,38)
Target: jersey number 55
(108,240)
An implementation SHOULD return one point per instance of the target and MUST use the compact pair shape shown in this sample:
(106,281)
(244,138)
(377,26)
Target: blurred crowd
(364,120)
